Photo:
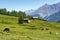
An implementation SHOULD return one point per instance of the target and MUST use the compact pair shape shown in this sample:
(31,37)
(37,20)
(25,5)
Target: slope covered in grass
(28,31)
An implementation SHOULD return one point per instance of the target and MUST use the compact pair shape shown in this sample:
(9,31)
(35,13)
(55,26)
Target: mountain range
(47,12)
(29,12)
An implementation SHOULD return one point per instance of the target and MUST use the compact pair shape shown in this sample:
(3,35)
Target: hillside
(28,31)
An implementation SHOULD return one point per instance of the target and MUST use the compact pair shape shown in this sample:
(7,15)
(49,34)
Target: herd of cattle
(8,29)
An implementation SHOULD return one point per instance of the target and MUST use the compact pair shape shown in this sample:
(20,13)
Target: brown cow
(6,29)
(50,32)
(46,28)
(42,28)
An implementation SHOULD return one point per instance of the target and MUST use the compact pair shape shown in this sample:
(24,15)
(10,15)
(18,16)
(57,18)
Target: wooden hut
(35,17)
(26,20)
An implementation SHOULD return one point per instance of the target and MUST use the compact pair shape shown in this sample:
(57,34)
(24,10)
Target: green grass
(28,31)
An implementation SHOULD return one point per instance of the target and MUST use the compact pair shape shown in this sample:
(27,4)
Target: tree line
(21,15)
(11,13)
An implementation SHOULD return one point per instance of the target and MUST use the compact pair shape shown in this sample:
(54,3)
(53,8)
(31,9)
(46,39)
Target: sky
(23,5)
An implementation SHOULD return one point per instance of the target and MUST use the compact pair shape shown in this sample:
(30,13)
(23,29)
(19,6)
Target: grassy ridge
(28,31)
(8,19)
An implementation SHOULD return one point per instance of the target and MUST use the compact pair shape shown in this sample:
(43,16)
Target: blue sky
(24,4)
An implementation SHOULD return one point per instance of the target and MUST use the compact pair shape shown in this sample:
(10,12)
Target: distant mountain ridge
(29,12)
(46,11)
(54,18)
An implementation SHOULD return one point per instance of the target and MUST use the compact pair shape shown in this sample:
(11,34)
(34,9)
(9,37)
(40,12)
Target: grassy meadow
(28,31)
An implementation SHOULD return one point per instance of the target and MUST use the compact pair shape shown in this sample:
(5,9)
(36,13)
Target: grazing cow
(50,32)
(42,28)
(47,29)
(6,29)
(29,37)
